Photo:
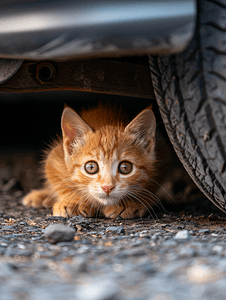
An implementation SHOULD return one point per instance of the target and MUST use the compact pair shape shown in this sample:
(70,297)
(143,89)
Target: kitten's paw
(133,212)
(113,211)
(129,212)
(38,198)
(89,211)
(70,210)
(63,209)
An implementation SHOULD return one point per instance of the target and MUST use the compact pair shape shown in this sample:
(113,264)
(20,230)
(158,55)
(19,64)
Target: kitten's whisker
(153,196)
(131,199)
(98,210)
(87,200)
(77,204)
(82,195)
(124,201)
(148,192)
(159,124)
(152,200)
(139,200)
(92,204)
(149,199)
(134,201)
(153,180)
(73,194)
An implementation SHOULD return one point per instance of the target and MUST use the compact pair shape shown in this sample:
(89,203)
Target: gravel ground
(177,254)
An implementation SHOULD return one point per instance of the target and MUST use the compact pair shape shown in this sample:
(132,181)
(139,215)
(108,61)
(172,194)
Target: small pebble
(204,231)
(116,229)
(23,223)
(78,220)
(182,235)
(181,226)
(59,233)
(214,234)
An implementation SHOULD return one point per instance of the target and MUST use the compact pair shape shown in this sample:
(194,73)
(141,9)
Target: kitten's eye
(125,167)
(91,167)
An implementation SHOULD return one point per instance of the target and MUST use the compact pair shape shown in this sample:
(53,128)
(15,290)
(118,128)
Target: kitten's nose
(108,188)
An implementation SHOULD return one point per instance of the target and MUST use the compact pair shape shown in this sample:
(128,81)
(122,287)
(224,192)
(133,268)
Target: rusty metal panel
(99,76)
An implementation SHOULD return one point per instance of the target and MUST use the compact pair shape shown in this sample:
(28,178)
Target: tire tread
(197,132)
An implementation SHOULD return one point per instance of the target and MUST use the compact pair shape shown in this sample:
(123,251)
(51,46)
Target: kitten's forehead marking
(108,157)
(109,165)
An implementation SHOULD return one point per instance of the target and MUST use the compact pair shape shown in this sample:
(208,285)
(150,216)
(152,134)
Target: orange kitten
(103,166)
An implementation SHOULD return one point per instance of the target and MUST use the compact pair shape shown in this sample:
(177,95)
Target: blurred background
(31,120)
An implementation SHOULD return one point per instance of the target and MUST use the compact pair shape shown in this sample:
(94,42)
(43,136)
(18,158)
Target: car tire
(190,89)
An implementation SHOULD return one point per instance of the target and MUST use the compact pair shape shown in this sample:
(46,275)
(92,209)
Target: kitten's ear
(143,126)
(73,128)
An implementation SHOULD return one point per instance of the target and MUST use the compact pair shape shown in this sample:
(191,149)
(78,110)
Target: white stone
(182,235)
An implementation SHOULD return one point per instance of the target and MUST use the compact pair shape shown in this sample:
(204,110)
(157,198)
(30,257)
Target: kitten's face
(108,169)
(109,164)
